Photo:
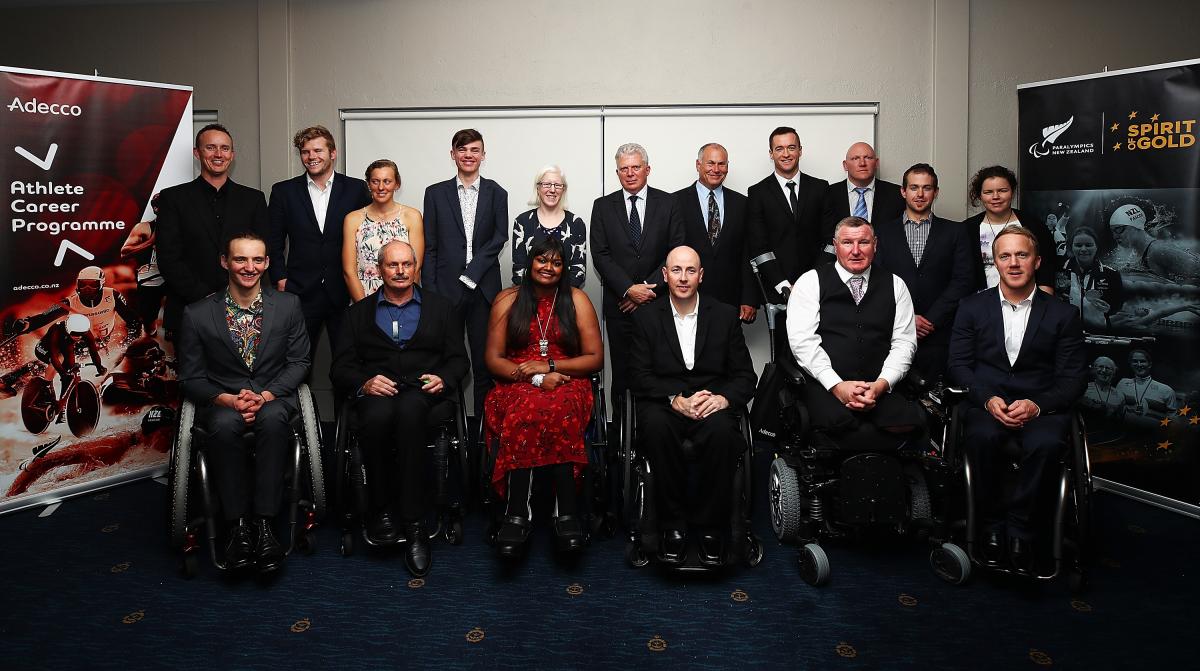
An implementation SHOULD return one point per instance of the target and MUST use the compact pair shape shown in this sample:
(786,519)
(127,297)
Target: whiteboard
(583,140)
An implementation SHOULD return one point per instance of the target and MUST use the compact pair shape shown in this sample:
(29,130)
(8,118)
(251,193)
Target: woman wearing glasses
(550,218)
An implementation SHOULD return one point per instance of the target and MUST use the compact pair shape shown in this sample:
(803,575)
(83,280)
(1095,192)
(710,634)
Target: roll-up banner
(88,391)
(1109,162)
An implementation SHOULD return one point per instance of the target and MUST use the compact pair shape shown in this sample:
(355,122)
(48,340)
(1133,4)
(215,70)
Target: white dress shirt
(787,194)
(641,204)
(804,316)
(319,198)
(468,202)
(1016,318)
(685,328)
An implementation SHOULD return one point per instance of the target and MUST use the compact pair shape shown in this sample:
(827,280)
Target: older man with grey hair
(632,230)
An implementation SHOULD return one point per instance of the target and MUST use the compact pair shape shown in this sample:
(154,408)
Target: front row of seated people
(244,353)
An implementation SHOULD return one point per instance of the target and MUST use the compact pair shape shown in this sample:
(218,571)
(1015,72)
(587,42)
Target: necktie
(856,288)
(792,198)
(714,219)
(635,223)
(860,208)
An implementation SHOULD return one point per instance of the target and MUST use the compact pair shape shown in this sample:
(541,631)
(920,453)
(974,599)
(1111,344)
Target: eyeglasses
(552,186)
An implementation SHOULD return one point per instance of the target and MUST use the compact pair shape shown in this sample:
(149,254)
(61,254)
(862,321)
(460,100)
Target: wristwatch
(536,380)
(551,365)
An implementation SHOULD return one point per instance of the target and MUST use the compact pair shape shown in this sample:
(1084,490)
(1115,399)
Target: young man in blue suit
(1020,353)
(466,225)
(306,214)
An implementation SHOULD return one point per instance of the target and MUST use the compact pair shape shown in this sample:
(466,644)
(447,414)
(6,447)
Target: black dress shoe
(417,556)
(712,549)
(672,547)
(993,548)
(570,533)
(381,529)
(270,552)
(511,536)
(239,554)
(1020,553)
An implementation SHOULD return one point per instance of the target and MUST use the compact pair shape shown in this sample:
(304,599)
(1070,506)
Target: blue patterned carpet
(93,586)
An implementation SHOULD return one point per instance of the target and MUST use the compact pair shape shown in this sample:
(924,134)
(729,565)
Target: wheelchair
(637,482)
(447,421)
(188,479)
(596,498)
(1068,525)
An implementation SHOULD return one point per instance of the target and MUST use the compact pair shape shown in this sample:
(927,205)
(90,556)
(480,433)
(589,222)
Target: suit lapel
(211,227)
(451,194)
(698,217)
(702,322)
(221,327)
(936,234)
(267,322)
(1036,312)
(667,319)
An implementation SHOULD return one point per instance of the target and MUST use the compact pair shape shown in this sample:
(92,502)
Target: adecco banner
(1110,163)
(87,387)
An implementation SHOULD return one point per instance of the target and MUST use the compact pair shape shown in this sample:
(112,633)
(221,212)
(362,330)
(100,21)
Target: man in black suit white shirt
(861,194)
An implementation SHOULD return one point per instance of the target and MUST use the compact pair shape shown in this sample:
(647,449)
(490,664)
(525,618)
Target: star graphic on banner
(1185,410)
(1194,420)
(1116,146)
(1133,115)
(1165,445)
(1165,421)
(1154,118)
(1115,127)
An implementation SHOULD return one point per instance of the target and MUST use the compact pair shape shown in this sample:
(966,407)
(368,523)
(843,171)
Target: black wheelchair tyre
(181,466)
(312,444)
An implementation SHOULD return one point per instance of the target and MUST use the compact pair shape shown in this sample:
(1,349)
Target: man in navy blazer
(632,229)
(1020,353)
(933,257)
(306,214)
(466,225)
(881,200)
(714,224)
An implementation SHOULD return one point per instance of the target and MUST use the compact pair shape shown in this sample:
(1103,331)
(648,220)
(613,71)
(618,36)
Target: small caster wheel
(950,563)
(347,544)
(635,555)
(454,532)
(814,565)
(754,551)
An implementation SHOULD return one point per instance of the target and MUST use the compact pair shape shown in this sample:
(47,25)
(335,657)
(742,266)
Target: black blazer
(436,347)
(189,238)
(1046,273)
(446,240)
(618,262)
(314,257)
(771,227)
(727,274)
(209,363)
(722,363)
(946,273)
(1050,370)
(886,204)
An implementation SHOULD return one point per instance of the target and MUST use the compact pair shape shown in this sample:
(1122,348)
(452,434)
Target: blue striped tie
(860,208)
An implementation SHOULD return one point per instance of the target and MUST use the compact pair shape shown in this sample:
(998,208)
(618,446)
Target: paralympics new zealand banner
(1111,165)
(87,387)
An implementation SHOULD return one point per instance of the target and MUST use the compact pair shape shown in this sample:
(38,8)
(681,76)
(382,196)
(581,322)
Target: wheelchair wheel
(312,445)
(754,551)
(37,403)
(347,547)
(181,468)
(635,555)
(814,565)
(454,532)
(919,506)
(786,506)
(83,409)
(950,563)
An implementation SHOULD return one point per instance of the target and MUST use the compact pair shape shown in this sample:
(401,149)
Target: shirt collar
(703,190)
(851,186)
(784,180)
(328,183)
(459,183)
(256,305)
(846,274)
(382,299)
(926,220)
(1028,300)
(675,313)
(640,194)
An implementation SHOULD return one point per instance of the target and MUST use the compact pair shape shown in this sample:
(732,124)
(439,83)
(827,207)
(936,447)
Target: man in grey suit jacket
(466,224)
(243,353)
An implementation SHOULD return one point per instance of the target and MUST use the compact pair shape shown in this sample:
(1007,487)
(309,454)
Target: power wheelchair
(637,486)
(188,479)
(447,421)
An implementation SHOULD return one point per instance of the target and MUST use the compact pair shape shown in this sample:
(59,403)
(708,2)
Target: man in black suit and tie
(1020,353)
(466,224)
(243,353)
(306,214)
(632,229)
(714,224)
(933,257)
(401,352)
(688,365)
(784,216)
(861,194)
(196,217)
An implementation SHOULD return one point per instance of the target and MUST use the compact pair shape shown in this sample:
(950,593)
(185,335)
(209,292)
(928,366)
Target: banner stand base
(50,509)
(1144,496)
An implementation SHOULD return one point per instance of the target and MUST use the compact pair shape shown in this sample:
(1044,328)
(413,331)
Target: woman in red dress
(543,344)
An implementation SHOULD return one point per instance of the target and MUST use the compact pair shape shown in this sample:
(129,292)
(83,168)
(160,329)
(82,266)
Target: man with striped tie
(861,194)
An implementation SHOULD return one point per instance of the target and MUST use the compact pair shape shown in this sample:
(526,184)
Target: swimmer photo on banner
(88,391)
(1109,163)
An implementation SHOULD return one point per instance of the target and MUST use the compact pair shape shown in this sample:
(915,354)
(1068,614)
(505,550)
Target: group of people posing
(875,285)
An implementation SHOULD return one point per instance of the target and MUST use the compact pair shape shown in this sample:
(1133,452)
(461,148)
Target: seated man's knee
(223,424)
(275,414)
(374,413)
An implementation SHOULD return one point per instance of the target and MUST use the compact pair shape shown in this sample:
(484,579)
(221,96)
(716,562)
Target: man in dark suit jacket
(306,214)
(714,224)
(1020,353)
(632,230)
(861,194)
(934,258)
(785,220)
(195,218)
(401,352)
(688,366)
(243,353)
(466,224)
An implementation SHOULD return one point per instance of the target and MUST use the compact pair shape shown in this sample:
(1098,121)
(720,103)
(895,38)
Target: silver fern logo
(1049,135)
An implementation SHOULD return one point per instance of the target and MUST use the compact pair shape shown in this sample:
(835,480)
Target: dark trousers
(891,411)
(619,328)
(474,309)
(229,458)
(320,310)
(718,444)
(392,434)
(1040,441)
(149,300)
(931,359)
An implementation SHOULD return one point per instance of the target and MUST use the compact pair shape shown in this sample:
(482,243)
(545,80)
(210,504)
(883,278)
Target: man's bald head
(683,273)
(861,163)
